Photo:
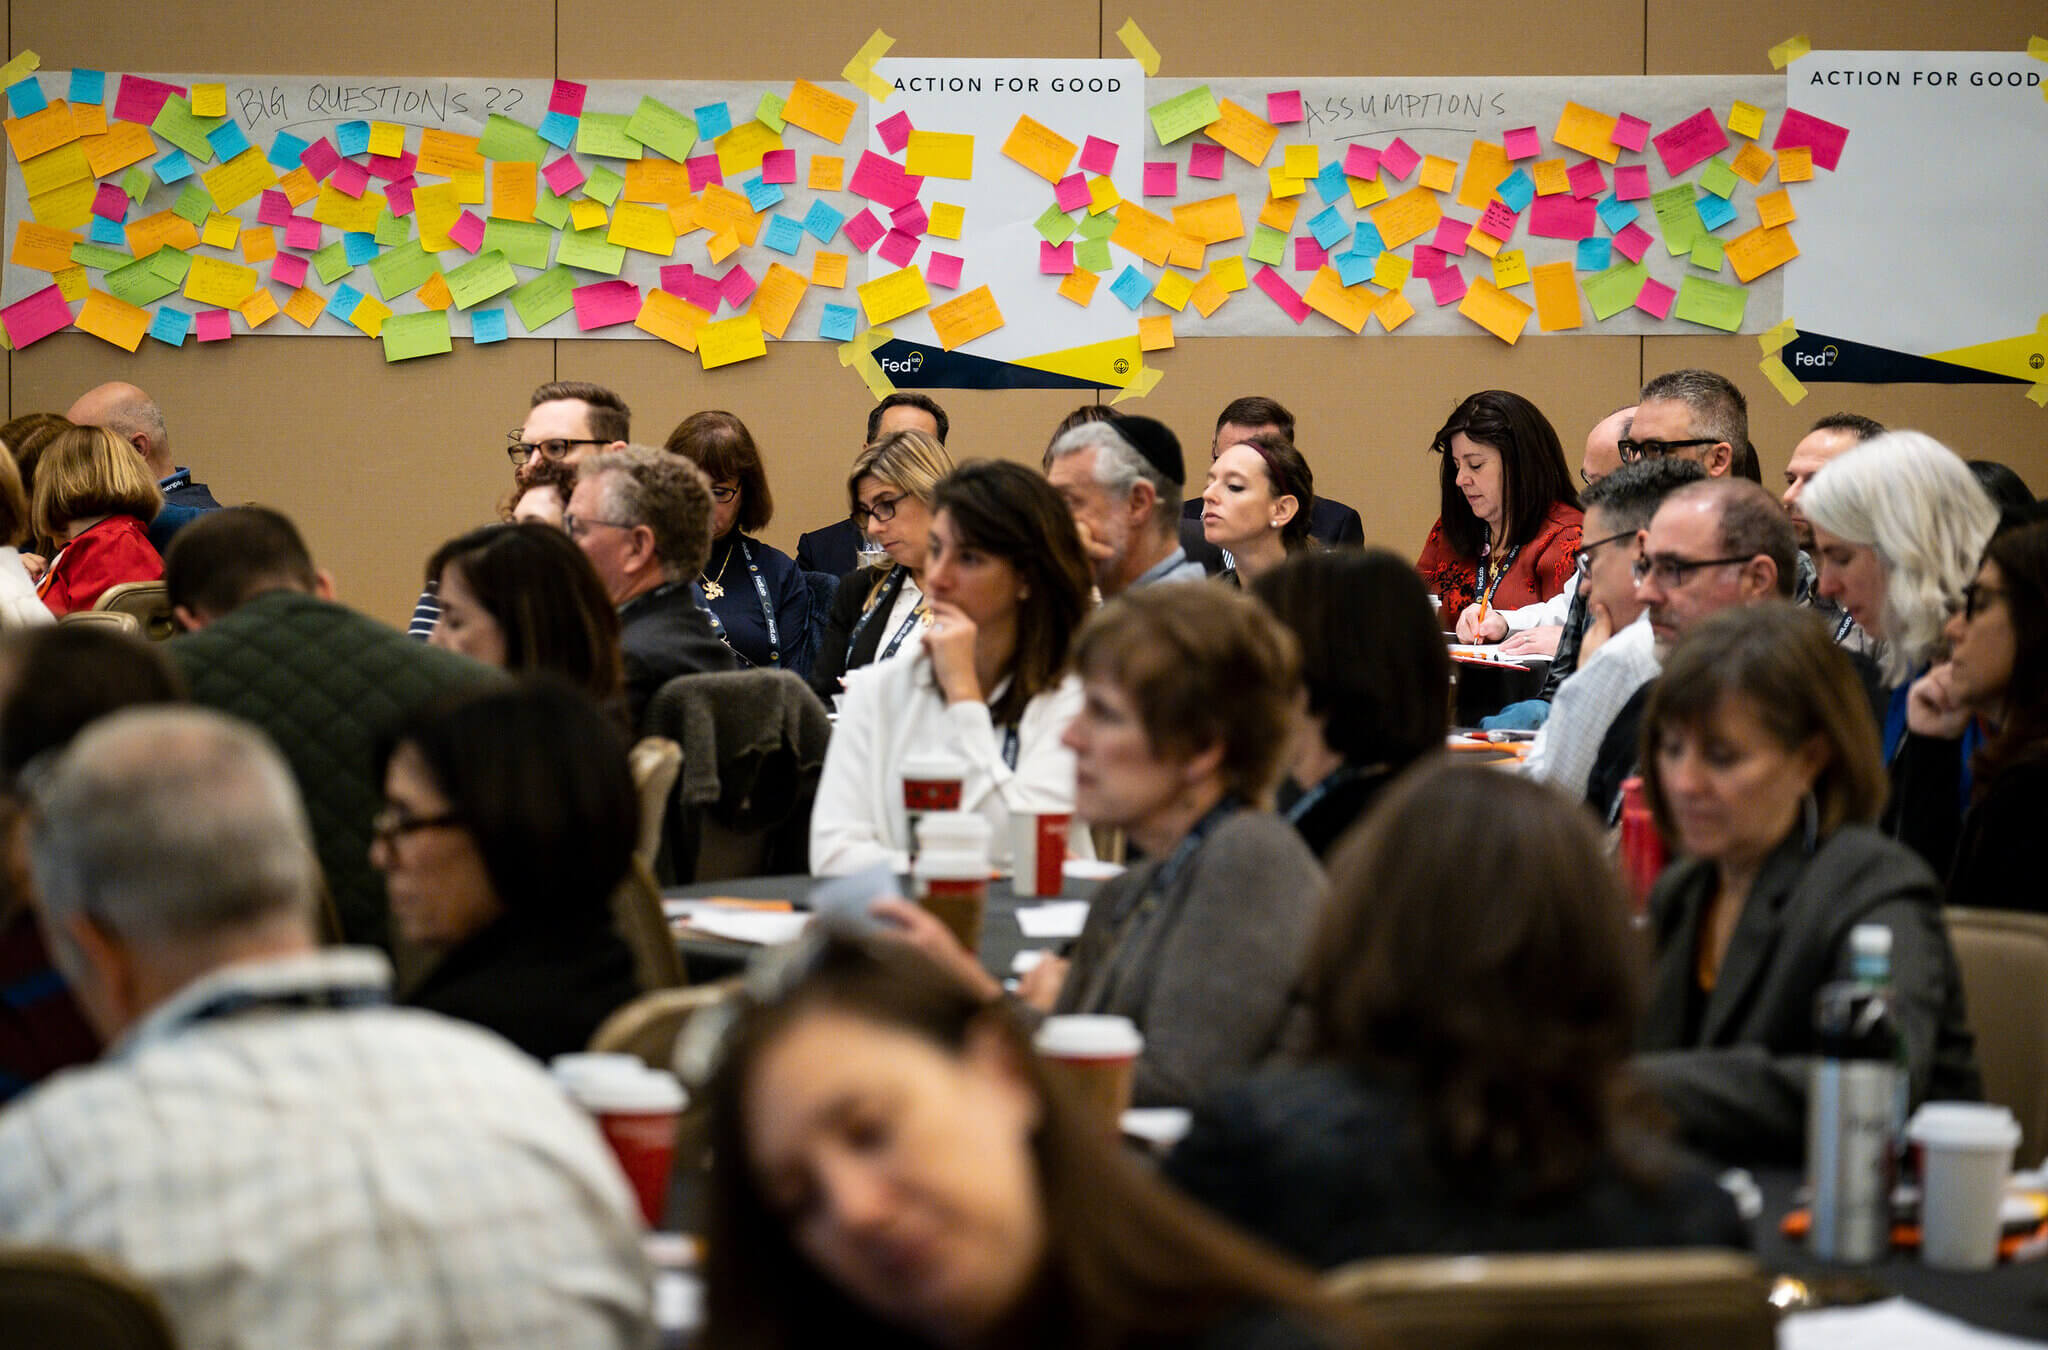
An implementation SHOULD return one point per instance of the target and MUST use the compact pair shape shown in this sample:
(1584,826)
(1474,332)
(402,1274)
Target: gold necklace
(712,590)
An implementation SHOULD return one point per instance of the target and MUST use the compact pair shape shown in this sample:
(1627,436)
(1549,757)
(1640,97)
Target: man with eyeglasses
(1694,413)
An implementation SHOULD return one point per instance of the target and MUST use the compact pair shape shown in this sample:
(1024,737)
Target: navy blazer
(739,606)
(834,549)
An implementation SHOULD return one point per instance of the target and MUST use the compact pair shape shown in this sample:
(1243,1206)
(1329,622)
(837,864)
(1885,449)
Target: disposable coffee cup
(1095,1056)
(583,1069)
(931,782)
(1965,1157)
(639,1116)
(1038,853)
(953,888)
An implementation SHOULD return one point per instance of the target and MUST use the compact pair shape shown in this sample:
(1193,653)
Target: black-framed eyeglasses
(391,824)
(578,526)
(1977,597)
(882,511)
(520,451)
(722,494)
(1633,450)
(1586,551)
(1672,573)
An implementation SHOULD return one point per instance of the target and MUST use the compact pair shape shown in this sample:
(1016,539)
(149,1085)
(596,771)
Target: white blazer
(20,606)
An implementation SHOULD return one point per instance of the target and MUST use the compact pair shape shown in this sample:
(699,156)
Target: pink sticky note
(319,159)
(606,303)
(895,132)
(1098,156)
(703,292)
(398,196)
(778,166)
(863,229)
(1283,295)
(110,202)
(468,232)
(1586,178)
(1694,141)
(737,285)
(1284,106)
(1429,262)
(1632,182)
(944,270)
(1825,138)
(1309,255)
(564,176)
(288,269)
(1448,286)
(1655,298)
(1451,235)
(351,177)
(1399,159)
(1523,142)
(704,172)
(567,98)
(214,325)
(41,314)
(1072,193)
(1630,132)
(274,209)
(140,100)
(910,218)
(1162,180)
(302,232)
(1362,161)
(1632,242)
(390,167)
(1205,160)
(1499,221)
(883,181)
(898,248)
(676,279)
(1563,217)
(1055,260)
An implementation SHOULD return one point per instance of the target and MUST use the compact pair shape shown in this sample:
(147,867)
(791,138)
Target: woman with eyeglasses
(1508,532)
(1993,688)
(757,594)
(509,819)
(877,609)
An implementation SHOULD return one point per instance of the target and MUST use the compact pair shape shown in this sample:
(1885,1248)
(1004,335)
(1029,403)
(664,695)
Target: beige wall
(379,464)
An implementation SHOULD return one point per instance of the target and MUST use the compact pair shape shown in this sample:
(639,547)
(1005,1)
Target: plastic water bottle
(1854,1108)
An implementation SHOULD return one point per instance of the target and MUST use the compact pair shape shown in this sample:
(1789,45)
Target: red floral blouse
(1540,569)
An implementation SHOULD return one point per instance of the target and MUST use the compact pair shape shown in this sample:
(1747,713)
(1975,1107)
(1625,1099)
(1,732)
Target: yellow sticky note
(1278,213)
(1102,195)
(1496,311)
(827,172)
(818,111)
(1367,191)
(1760,250)
(19,68)
(1173,290)
(209,100)
(1327,295)
(776,298)
(1746,119)
(642,228)
(1510,268)
(1390,270)
(1392,310)
(960,321)
(939,154)
(469,186)
(1142,383)
(1790,50)
(721,246)
(1139,46)
(1208,296)
(2037,47)
(1079,287)
(1040,149)
(113,320)
(1551,177)
(1557,298)
(585,214)
(72,283)
(370,315)
(1775,208)
(1243,133)
(304,306)
(1155,332)
(1479,241)
(730,340)
(1280,184)
(1438,174)
(260,308)
(220,231)
(1230,274)
(335,207)
(1588,132)
(741,150)
(1752,163)
(892,296)
(828,269)
(861,69)
(1795,164)
(2038,395)
(61,167)
(1486,165)
(249,173)
(1409,216)
(1300,161)
(671,318)
(1788,386)
(945,220)
(434,292)
(386,139)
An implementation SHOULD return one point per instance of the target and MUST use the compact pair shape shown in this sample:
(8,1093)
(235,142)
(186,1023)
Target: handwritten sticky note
(1676,217)
(1557,298)
(893,295)
(1632,182)
(731,340)
(1714,212)
(1162,179)
(1038,148)
(1775,208)
(484,276)
(211,281)
(1510,268)
(1438,174)
(1551,177)
(1399,158)
(1447,287)
(1795,164)
(1593,254)
(1098,155)
(1408,216)
(1518,189)
(1654,299)
(113,321)
(1693,141)
(1746,119)
(1092,255)
(1391,271)
(816,110)
(1615,289)
(1586,179)
(1784,53)
(960,321)
(1713,304)
(407,337)
(1205,160)
(605,304)
(775,300)
(1718,178)
(1586,131)
(1139,46)
(1184,114)
(1760,250)
(1752,163)
(940,154)
(898,248)
(1825,139)
(1707,252)
(828,269)
(835,323)
(1071,192)
(1496,311)
(1563,217)
(895,132)
(1522,142)
(1079,287)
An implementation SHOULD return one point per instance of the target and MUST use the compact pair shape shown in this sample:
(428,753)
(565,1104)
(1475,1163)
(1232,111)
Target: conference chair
(106,618)
(639,922)
(148,601)
(2003,957)
(654,761)
(78,1301)
(650,1025)
(1698,1299)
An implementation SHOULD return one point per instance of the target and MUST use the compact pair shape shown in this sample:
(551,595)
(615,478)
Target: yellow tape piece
(20,68)
(859,354)
(1139,46)
(1790,50)
(2037,47)
(1773,340)
(860,70)
(1782,379)
(2038,395)
(1144,382)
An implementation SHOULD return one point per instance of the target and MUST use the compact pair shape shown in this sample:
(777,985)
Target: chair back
(651,1024)
(77,1300)
(638,920)
(148,601)
(1697,1299)
(655,761)
(106,618)
(2003,958)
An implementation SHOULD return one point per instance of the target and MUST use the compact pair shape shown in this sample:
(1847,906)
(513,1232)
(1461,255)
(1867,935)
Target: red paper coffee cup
(1038,847)
(639,1117)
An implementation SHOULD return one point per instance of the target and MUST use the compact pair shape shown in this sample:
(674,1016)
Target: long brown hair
(1533,475)
(2021,556)
(546,599)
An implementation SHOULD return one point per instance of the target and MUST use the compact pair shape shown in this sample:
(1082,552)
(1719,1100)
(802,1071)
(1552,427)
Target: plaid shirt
(291,1168)
(40,1027)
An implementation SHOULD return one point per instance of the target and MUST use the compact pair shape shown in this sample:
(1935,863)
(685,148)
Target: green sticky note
(508,138)
(768,112)
(1675,216)
(605,134)
(1713,303)
(392,230)
(603,186)
(332,262)
(525,243)
(98,256)
(547,296)
(1706,252)
(1092,255)
(1614,290)
(402,269)
(1184,114)
(1718,178)
(194,204)
(135,183)
(550,209)
(138,283)
(410,335)
(171,264)
(485,275)
(591,251)
(655,123)
(177,125)
(1269,246)
(1055,225)
(1098,227)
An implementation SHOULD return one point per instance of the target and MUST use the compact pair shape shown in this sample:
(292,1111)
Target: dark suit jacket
(1733,1064)
(840,651)
(831,549)
(543,989)
(1328,520)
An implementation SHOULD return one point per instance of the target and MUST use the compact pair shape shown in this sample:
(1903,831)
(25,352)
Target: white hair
(1119,467)
(1914,501)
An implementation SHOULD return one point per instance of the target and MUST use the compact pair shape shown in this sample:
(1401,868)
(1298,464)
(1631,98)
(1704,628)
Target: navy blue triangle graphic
(1816,358)
(912,365)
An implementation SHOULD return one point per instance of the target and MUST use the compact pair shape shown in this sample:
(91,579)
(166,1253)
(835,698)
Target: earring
(1809,811)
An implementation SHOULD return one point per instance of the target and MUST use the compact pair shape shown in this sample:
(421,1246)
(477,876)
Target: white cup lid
(1964,1125)
(1088,1036)
(574,1070)
(933,764)
(650,1090)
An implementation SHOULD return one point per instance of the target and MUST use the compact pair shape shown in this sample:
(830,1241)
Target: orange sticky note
(1795,164)
(828,269)
(655,181)
(40,131)
(960,321)
(1079,287)
(776,299)
(123,144)
(304,306)
(1208,295)
(1479,241)
(259,244)
(1327,295)
(1551,177)
(434,293)
(1496,311)
(722,211)
(515,186)
(1278,213)
(1588,132)
(721,246)
(89,119)
(1557,297)
(1409,216)
(827,172)
(443,154)
(671,318)
(1752,163)
(1775,208)
(298,187)
(1038,148)
(1243,133)
(1762,249)
(1486,166)
(1155,332)
(41,247)
(151,233)
(260,308)
(1213,220)
(113,320)
(1393,310)
(1438,174)
(1186,252)
(818,111)
(1141,232)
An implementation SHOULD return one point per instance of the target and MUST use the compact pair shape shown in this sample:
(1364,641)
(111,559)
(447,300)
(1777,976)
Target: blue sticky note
(1330,184)
(1593,254)
(106,231)
(346,298)
(761,195)
(713,120)
(1517,190)
(784,235)
(1328,227)
(88,86)
(173,168)
(171,325)
(823,222)
(286,151)
(1616,214)
(228,141)
(559,130)
(1131,287)
(1353,268)
(1366,241)
(487,325)
(26,96)
(353,138)
(1714,211)
(837,323)
(358,248)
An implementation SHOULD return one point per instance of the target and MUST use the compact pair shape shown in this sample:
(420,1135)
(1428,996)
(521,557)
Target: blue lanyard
(1489,579)
(1010,747)
(767,610)
(1309,800)
(892,586)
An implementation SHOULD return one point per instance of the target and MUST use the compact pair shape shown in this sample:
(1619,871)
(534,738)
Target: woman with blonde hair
(19,607)
(94,499)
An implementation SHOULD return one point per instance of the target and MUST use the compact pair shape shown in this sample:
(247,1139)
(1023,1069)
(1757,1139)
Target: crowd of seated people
(295,905)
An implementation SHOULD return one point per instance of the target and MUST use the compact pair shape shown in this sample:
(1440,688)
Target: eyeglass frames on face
(391,824)
(881,512)
(722,494)
(520,451)
(1633,450)
(1977,597)
(1586,551)
(1672,573)
(578,526)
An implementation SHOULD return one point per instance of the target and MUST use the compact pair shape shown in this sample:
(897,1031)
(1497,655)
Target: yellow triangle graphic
(1112,364)
(2023,358)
